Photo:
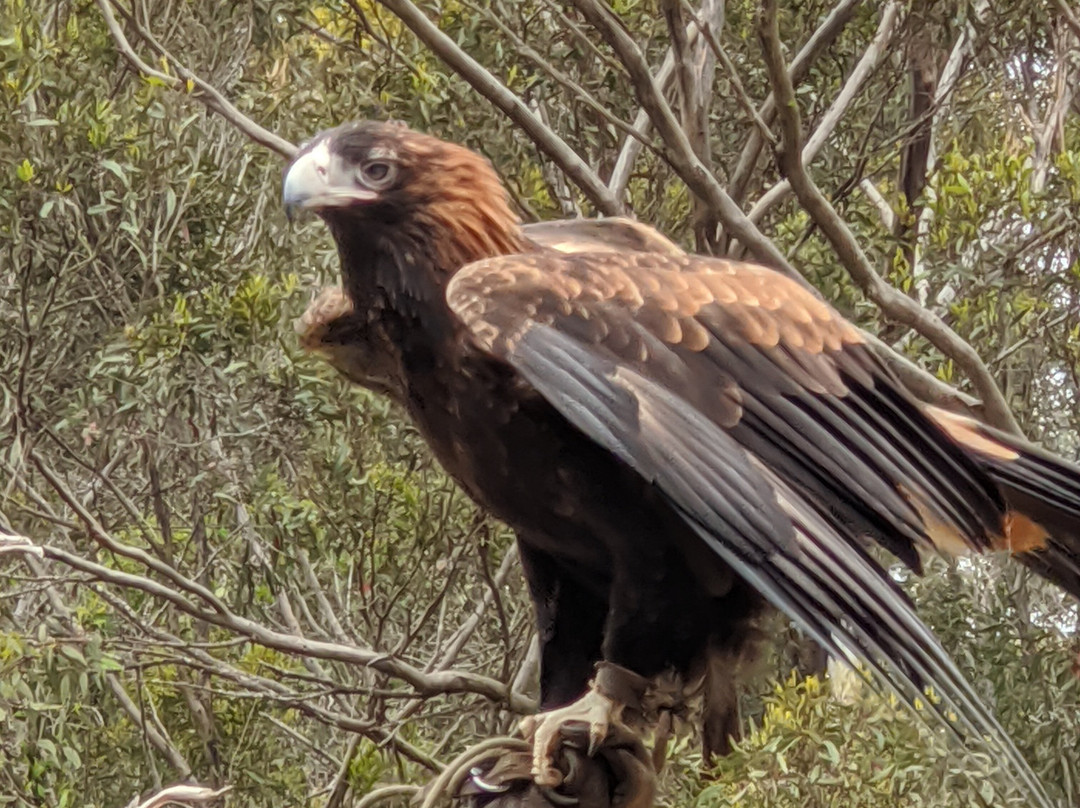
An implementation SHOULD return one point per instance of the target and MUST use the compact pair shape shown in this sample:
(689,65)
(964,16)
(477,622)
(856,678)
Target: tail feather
(1042,528)
(1046,490)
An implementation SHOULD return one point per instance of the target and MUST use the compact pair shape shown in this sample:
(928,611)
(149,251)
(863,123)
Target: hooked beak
(319,179)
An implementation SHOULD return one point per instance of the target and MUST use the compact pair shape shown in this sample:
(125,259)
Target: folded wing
(762,418)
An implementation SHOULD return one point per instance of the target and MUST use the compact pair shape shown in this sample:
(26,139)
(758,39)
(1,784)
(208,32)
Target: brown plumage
(331,326)
(672,437)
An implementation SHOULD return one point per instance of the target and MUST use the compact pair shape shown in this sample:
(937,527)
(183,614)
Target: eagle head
(384,180)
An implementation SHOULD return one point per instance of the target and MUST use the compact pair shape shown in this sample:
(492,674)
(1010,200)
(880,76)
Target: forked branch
(893,303)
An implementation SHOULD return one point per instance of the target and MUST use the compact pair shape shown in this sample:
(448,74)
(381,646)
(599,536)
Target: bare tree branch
(341,783)
(741,96)
(102,537)
(525,49)
(556,180)
(695,69)
(514,108)
(1070,16)
(684,67)
(180,795)
(950,75)
(469,625)
(825,34)
(155,733)
(681,154)
(871,58)
(255,686)
(1051,129)
(632,148)
(892,303)
(438,682)
(923,384)
(885,210)
(187,81)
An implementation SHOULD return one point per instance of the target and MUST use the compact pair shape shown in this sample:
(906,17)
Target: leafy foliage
(310,607)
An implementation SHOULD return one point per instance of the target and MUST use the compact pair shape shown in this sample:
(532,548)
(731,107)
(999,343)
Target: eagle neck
(398,273)
(391,278)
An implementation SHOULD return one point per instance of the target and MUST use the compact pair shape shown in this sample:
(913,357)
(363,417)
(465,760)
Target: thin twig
(262,688)
(566,82)
(429,684)
(340,786)
(631,149)
(824,35)
(871,58)
(940,106)
(155,734)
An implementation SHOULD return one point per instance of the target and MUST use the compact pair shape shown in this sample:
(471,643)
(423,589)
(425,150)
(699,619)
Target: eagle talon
(555,798)
(548,777)
(594,709)
(597,736)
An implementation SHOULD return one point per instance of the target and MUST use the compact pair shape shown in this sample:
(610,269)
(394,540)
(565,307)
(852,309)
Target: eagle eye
(377,174)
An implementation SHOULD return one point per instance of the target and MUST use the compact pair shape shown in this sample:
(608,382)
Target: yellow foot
(594,709)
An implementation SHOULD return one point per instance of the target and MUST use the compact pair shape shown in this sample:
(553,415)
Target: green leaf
(114,167)
(72,757)
(832,753)
(73,653)
(24,171)
(110,664)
